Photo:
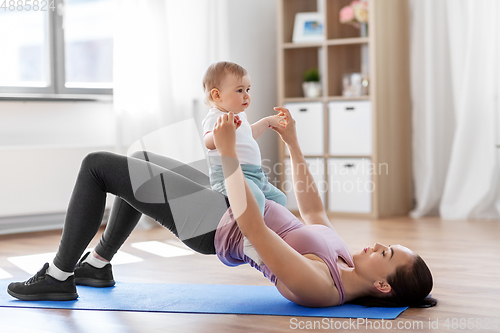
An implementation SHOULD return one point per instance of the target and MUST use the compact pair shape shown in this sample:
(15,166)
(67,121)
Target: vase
(363,29)
(311,89)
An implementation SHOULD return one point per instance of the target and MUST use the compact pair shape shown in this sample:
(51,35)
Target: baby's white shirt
(247,148)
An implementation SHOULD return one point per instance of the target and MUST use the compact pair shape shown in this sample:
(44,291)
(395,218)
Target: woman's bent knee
(95,158)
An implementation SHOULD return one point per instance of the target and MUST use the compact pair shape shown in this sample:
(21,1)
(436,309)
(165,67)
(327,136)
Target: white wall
(252,38)
(498,123)
(56,123)
(41,148)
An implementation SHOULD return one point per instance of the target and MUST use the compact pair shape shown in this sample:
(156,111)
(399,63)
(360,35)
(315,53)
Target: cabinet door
(350,126)
(309,122)
(350,187)
(317,169)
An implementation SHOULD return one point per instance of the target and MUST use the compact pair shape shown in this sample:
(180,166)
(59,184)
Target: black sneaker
(88,275)
(43,287)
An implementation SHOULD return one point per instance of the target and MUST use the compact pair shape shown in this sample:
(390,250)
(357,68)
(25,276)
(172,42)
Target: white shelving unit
(362,141)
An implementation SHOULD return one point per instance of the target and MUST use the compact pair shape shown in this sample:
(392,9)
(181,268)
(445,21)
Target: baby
(227,89)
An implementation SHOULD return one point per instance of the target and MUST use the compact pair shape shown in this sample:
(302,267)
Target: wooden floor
(464,257)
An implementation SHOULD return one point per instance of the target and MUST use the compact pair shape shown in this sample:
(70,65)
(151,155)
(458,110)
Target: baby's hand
(237,121)
(277,121)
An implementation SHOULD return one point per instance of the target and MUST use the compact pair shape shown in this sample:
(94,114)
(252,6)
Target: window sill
(55,97)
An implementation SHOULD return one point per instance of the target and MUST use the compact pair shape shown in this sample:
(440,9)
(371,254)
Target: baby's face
(235,93)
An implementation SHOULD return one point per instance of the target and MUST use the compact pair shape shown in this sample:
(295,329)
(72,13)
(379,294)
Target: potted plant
(311,85)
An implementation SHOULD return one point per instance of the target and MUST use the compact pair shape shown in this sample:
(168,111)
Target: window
(63,47)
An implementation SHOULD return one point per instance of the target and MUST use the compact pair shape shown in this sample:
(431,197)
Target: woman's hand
(288,133)
(225,134)
(276,121)
(237,121)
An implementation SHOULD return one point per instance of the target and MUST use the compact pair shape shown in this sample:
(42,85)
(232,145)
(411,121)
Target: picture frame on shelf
(308,27)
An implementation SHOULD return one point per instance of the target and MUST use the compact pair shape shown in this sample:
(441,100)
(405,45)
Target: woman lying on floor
(309,264)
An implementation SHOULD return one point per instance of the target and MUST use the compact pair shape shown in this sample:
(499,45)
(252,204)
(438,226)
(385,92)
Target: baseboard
(36,222)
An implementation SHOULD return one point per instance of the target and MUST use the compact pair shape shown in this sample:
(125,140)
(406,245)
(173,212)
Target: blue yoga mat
(197,298)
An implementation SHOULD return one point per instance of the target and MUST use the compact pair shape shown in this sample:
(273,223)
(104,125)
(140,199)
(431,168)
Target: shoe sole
(94,282)
(45,297)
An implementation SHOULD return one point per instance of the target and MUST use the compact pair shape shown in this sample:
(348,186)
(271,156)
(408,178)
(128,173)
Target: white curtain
(161,50)
(455,76)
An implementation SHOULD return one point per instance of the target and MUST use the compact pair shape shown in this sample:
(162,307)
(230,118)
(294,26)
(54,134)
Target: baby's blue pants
(257,181)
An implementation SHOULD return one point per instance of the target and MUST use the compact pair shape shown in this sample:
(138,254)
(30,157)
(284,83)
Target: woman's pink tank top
(305,239)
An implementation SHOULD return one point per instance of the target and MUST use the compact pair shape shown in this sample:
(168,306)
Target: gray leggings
(173,193)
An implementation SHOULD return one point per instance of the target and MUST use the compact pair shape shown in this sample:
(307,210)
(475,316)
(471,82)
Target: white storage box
(350,126)
(317,169)
(309,122)
(350,185)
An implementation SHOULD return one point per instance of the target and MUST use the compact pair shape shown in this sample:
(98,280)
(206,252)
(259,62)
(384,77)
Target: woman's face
(375,264)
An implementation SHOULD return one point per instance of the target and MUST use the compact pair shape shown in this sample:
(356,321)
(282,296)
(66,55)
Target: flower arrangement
(355,13)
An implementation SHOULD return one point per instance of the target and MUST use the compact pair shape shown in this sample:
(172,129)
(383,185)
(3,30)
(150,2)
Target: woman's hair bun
(427,302)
